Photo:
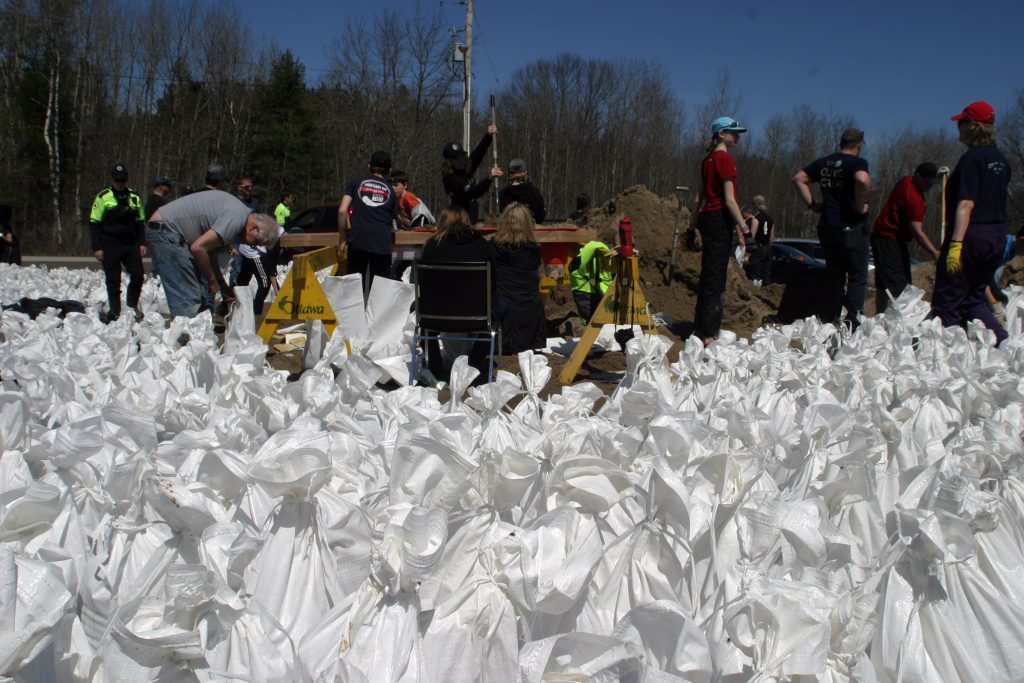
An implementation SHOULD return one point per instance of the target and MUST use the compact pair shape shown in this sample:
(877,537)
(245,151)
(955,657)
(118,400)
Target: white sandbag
(33,599)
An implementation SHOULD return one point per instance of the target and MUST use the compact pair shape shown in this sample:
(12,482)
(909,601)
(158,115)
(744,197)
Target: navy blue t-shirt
(836,176)
(983,175)
(374,208)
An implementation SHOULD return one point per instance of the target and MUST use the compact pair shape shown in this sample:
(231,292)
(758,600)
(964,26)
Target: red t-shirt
(904,206)
(716,168)
(406,204)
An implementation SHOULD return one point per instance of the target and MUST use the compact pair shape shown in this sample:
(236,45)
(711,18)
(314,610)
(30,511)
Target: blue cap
(726,123)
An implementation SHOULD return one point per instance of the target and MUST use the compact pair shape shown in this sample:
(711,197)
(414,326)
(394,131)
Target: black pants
(892,268)
(116,255)
(759,265)
(262,268)
(369,265)
(716,244)
(846,250)
(587,303)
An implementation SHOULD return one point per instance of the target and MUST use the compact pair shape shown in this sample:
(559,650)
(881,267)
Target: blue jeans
(183,285)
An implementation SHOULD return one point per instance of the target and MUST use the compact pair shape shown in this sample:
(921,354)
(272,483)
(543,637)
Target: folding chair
(453,301)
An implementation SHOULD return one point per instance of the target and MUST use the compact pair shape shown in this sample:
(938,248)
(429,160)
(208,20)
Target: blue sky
(889,65)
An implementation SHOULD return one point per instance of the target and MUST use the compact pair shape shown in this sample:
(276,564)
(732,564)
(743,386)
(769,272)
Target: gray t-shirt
(194,214)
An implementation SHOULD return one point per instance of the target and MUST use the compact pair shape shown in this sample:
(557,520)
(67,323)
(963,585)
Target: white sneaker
(758,283)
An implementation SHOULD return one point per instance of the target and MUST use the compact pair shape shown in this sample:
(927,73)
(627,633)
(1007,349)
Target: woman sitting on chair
(523,326)
(457,242)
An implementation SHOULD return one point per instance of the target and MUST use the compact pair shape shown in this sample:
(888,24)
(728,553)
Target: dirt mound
(654,220)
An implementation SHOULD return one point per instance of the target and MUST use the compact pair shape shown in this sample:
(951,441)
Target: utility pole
(467,87)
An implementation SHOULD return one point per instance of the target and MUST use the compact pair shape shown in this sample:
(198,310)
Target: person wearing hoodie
(457,242)
(521,191)
(517,269)
(457,174)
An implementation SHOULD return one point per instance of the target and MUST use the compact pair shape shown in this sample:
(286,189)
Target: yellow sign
(301,297)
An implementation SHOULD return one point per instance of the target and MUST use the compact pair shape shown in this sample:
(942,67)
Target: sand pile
(654,220)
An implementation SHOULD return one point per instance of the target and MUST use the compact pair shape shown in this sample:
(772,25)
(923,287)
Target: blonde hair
(452,219)
(759,203)
(515,225)
(977,133)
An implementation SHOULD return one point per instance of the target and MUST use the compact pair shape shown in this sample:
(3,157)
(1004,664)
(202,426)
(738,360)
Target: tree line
(168,87)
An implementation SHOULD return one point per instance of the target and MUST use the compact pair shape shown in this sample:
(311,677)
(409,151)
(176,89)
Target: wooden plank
(553,234)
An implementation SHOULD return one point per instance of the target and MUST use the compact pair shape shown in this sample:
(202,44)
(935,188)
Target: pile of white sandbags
(803,506)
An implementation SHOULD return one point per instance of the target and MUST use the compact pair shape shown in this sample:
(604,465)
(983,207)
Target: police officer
(116,229)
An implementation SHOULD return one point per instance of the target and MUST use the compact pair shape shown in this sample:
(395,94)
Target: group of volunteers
(976,245)
(376,201)
(184,236)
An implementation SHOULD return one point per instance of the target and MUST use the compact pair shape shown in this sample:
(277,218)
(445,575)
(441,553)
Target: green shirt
(281,213)
(594,272)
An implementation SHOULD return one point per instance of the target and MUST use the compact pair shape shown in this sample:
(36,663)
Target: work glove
(953,257)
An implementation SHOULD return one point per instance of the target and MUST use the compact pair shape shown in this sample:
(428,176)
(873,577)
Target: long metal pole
(944,172)
(467,89)
(495,188)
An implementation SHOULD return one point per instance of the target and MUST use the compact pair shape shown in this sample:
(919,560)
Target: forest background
(168,88)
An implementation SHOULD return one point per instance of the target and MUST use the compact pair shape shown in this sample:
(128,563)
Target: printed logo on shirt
(997,167)
(374,192)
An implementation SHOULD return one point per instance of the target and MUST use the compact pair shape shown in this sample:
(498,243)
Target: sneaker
(758,283)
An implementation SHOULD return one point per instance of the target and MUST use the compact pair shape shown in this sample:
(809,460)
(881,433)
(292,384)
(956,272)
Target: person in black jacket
(520,190)
(518,262)
(457,174)
(457,242)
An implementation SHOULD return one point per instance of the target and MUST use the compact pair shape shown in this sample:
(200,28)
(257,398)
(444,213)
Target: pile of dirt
(654,223)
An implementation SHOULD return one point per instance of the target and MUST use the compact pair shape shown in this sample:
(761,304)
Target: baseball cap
(927,170)
(979,111)
(162,180)
(380,159)
(119,172)
(452,150)
(516,166)
(215,173)
(726,123)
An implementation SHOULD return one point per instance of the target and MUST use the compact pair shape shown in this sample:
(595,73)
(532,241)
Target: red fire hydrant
(625,237)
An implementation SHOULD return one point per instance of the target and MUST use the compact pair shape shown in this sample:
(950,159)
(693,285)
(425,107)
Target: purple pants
(960,298)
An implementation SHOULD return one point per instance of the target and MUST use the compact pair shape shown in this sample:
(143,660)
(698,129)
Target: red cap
(979,111)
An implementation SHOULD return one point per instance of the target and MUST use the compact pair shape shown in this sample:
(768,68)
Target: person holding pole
(976,196)
(718,218)
(458,170)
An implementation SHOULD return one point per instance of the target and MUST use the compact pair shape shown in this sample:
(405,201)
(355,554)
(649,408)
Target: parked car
(323,218)
(808,246)
(814,248)
(787,260)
